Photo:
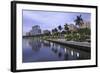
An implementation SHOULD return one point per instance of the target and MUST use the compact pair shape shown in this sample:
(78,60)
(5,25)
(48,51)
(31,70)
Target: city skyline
(49,20)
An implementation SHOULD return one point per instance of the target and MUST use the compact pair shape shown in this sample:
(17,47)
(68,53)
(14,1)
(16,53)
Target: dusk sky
(49,20)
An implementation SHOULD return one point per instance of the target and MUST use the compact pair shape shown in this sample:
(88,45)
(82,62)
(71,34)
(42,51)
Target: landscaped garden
(76,34)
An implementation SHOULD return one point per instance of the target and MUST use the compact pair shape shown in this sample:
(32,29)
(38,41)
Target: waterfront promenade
(78,45)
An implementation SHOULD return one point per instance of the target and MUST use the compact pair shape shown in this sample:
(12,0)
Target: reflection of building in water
(35,30)
(35,44)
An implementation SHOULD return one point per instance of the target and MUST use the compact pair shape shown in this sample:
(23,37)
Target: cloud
(49,20)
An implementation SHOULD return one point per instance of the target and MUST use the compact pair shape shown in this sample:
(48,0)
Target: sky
(48,20)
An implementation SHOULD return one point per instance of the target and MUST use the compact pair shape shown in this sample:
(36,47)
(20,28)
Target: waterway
(37,50)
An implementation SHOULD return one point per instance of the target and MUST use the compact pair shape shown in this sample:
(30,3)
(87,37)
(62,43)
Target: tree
(85,31)
(66,27)
(63,32)
(54,31)
(60,28)
(79,21)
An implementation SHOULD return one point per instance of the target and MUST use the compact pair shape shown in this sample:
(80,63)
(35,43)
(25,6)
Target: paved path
(86,44)
(80,45)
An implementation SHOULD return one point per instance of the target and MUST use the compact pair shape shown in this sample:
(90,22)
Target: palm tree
(79,21)
(60,28)
(54,31)
(66,27)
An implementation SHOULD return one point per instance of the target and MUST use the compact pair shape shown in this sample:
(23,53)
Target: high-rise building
(35,30)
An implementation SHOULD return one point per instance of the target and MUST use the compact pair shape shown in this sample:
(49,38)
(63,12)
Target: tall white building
(35,30)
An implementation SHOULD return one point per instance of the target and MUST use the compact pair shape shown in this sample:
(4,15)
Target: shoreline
(77,45)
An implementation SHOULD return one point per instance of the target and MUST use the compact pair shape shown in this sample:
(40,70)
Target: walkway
(79,45)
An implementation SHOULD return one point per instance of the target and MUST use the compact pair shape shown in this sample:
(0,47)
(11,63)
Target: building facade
(46,32)
(72,27)
(86,24)
(35,30)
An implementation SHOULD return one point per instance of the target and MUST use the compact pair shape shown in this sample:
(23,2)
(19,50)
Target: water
(36,50)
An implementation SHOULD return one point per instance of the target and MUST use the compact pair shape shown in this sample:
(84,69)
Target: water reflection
(46,44)
(35,45)
(36,50)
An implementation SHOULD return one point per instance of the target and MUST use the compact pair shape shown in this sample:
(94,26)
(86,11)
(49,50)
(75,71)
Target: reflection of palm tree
(59,54)
(54,49)
(66,56)
(46,43)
